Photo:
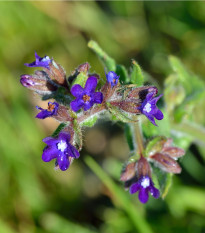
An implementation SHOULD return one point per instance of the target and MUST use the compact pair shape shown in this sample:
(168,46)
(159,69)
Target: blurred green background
(36,198)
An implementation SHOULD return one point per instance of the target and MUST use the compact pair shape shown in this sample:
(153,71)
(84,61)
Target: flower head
(149,108)
(52,110)
(112,78)
(86,97)
(60,149)
(145,186)
(39,62)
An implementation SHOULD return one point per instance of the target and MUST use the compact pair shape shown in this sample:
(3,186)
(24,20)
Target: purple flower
(40,62)
(144,185)
(112,78)
(52,110)
(86,97)
(149,108)
(60,149)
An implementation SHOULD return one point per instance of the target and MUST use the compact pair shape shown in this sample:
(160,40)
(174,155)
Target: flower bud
(166,163)
(143,167)
(56,73)
(129,172)
(37,83)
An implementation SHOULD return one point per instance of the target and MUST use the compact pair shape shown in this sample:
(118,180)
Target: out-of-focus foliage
(34,197)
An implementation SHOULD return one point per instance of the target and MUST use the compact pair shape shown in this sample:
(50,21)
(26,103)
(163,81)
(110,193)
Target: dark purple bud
(40,62)
(40,84)
(166,163)
(85,97)
(129,172)
(59,148)
(112,78)
(144,186)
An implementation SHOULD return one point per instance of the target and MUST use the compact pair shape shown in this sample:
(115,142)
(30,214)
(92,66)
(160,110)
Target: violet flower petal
(49,153)
(98,97)
(134,188)
(90,85)
(77,90)
(76,104)
(154,192)
(143,195)
(88,105)
(64,136)
(73,151)
(63,162)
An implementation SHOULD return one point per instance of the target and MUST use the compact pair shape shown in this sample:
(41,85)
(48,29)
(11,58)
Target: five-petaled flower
(52,110)
(39,62)
(149,108)
(85,97)
(144,185)
(112,78)
(60,149)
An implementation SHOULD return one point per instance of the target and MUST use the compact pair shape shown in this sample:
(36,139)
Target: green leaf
(59,128)
(122,71)
(90,121)
(136,76)
(107,61)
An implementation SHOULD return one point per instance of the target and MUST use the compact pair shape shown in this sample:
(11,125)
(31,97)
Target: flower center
(147,107)
(86,98)
(51,107)
(62,145)
(145,182)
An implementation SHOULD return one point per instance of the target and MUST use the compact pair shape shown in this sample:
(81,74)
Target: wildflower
(112,78)
(149,108)
(86,97)
(40,62)
(60,149)
(52,110)
(145,186)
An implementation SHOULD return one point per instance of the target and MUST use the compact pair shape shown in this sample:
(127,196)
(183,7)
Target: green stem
(139,138)
(120,198)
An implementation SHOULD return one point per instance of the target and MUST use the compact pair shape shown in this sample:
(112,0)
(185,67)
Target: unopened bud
(56,73)
(166,163)
(129,172)
(40,84)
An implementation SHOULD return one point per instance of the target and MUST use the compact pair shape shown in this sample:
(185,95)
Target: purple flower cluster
(60,149)
(86,97)
(113,97)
